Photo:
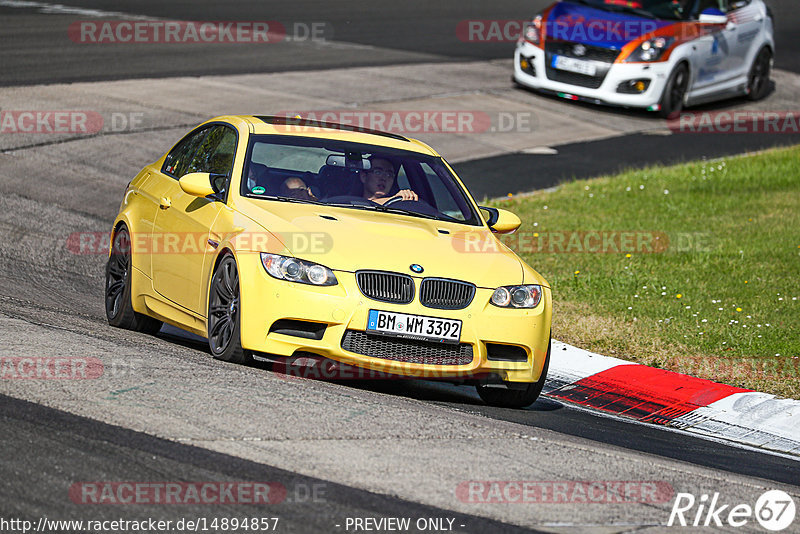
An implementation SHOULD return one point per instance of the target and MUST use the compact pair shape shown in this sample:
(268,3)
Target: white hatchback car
(660,55)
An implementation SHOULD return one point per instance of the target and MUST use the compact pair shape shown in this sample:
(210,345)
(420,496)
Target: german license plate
(414,326)
(574,65)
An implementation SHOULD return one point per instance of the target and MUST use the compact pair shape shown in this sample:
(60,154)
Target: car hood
(587,25)
(349,240)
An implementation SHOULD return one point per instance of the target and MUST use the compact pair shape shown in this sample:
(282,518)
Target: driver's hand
(407,194)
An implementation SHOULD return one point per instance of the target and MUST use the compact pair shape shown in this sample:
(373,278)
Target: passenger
(295,187)
(379,180)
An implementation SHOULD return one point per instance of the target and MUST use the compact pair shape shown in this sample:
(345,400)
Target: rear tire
(224,319)
(119,308)
(758,85)
(516,398)
(675,92)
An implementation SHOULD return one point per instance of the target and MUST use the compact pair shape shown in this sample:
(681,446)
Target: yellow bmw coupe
(278,238)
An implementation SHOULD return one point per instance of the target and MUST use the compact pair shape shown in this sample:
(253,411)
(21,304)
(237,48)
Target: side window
(179,158)
(215,154)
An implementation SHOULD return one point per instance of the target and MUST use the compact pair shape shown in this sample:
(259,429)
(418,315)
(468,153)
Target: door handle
(165,203)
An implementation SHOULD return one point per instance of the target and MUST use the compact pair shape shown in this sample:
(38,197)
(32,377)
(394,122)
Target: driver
(379,180)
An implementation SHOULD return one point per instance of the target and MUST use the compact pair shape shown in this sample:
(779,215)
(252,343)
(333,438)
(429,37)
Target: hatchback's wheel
(675,92)
(119,309)
(758,81)
(224,329)
(515,398)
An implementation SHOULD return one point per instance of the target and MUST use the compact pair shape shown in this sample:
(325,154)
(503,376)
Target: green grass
(733,257)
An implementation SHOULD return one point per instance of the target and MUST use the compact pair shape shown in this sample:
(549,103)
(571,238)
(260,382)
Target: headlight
(294,270)
(532,31)
(651,50)
(517,296)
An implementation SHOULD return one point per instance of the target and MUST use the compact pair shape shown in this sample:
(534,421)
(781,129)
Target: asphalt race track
(499,175)
(53,439)
(164,411)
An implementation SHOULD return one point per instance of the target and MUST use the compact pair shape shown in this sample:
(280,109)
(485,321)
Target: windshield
(352,175)
(660,9)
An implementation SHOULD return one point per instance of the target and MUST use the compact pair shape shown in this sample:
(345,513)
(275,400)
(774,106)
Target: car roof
(275,125)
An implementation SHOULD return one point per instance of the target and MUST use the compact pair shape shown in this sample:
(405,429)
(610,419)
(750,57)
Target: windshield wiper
(616,8)
(443,217)
(401,211)
(635,10)
(286,199)
(347,205)
(387,209)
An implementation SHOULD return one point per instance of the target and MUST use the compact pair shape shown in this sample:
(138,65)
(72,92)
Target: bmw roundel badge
(417,268)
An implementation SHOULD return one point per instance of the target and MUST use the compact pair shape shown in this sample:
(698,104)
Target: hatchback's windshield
(660,9)
(352,175)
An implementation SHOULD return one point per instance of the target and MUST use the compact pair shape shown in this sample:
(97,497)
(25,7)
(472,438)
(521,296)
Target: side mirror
(713,16)
(197,184)
(500,221)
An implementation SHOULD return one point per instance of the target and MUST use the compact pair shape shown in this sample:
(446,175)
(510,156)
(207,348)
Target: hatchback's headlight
(651,50)
(517,296)
(295,270)
(532,31)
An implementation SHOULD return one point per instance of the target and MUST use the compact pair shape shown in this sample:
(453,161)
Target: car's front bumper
(607,93)
(342,308)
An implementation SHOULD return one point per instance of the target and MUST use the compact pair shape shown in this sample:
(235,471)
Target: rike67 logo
(774,510)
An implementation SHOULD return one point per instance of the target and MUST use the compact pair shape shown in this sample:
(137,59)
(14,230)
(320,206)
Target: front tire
(119,308)
(675,92)
(224,317)
(516,398)
(758,85)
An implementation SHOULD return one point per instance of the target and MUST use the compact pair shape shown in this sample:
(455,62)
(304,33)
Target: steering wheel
(393,200)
